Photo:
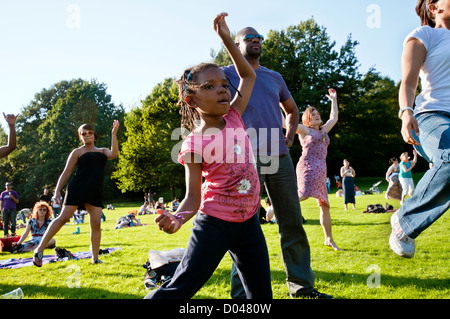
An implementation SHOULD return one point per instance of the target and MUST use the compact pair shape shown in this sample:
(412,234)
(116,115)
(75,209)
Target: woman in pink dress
(312,167)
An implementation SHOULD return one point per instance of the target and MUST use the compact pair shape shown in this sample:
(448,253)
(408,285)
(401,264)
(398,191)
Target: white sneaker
(400,243)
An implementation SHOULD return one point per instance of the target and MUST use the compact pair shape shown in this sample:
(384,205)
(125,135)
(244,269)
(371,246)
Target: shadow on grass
(61,292)
(386,281)
(342,222)
(222,278)
(328,282)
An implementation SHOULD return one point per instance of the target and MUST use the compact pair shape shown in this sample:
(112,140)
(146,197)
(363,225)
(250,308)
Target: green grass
(344,274)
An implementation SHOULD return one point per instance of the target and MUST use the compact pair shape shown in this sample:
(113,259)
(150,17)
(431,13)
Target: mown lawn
(366,269)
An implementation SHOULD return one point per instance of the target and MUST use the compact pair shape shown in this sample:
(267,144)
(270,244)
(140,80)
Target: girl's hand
(168,223)
(220,26)
(332,95)
(409,124)
(10,118)
(116,125)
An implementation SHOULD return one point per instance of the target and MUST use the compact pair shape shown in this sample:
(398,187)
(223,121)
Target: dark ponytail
(424,13)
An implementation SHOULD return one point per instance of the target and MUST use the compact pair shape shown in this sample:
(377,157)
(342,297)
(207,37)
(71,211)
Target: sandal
(39,255)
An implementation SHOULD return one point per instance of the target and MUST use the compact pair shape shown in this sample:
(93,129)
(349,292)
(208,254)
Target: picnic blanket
(13,263)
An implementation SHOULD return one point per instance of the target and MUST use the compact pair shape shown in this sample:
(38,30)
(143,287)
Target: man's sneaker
(314,294)
(400,243)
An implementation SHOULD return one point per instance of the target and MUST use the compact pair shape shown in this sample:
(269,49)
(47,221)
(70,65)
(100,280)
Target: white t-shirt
(435,72)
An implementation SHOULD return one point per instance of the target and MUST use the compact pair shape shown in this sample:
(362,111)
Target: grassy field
(366,269)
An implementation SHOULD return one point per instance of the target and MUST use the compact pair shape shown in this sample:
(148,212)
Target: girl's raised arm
(332,95)
(114,151)
(243,68)
(11,146)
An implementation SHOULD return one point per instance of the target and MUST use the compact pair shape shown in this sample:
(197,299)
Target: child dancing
(219,150)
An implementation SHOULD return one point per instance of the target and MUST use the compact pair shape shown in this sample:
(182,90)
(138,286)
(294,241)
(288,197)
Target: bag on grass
(62,253)
(375,209)
(154,277)
(161,266)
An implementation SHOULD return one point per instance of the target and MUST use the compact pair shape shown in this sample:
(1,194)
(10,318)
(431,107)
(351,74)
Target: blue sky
(133,45)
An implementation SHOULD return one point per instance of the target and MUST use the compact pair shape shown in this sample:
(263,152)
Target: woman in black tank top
(85,188)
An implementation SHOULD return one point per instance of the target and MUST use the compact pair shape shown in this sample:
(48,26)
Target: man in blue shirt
(264,125)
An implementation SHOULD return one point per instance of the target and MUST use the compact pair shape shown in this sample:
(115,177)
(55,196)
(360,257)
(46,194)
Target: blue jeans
(56,211)
(431,197)
(210,239)
(281,186)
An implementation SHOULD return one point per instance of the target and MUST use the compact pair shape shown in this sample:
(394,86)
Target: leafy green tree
(149,156)
(47,133)
(367,132)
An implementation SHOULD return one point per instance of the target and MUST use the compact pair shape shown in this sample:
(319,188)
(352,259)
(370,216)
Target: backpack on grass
(377,208)
(161,266)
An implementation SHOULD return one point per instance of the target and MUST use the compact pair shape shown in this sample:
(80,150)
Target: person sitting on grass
(128,221)
(36,225)
(145,209)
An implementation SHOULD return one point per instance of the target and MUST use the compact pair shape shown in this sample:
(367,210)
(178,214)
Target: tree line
(367,133)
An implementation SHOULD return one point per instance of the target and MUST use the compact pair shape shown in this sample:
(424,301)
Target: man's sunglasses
(250,37)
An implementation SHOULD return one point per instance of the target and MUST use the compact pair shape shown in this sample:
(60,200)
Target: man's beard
(253,54)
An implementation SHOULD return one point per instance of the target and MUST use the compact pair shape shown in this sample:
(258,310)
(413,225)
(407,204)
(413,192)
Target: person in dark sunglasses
(257,36)
(275,168)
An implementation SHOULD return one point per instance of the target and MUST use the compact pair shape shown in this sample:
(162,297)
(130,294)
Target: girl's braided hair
(186,87)
(187,84)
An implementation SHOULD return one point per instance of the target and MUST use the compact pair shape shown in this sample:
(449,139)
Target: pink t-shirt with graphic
(231,188)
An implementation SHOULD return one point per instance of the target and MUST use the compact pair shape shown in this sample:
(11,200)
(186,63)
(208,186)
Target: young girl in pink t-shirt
(218,150)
